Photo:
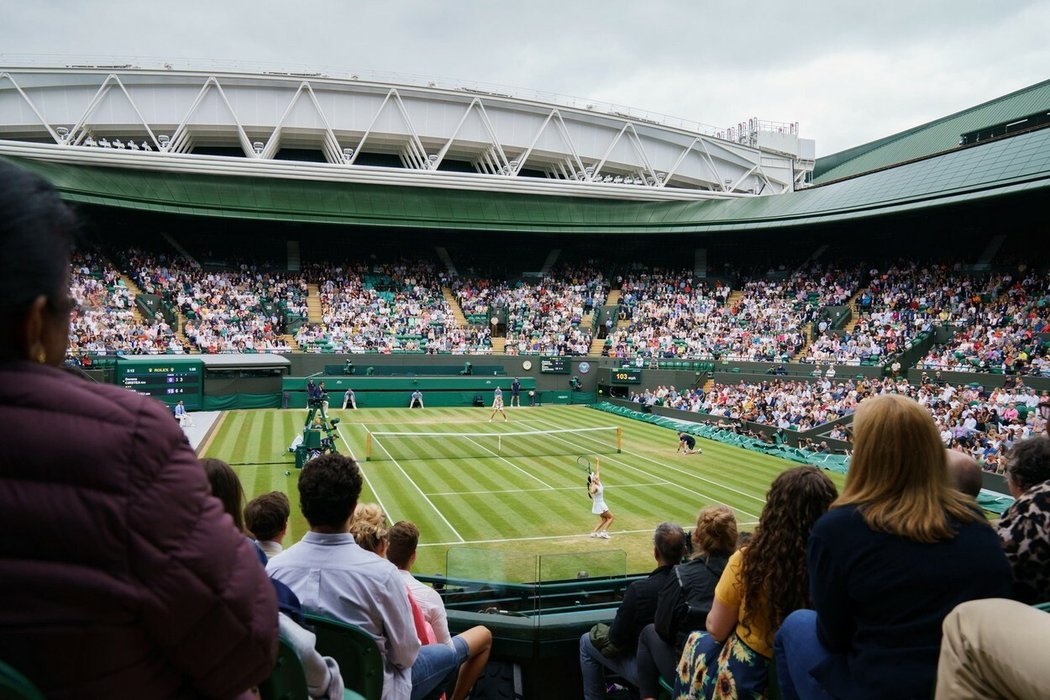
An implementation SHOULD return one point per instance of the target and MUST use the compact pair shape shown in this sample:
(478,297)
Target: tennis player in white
(596,490)
(497,405)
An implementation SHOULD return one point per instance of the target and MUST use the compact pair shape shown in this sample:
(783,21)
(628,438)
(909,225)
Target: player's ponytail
(589,483)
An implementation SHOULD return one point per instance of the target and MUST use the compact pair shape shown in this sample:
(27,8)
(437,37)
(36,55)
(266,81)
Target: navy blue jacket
(881,599)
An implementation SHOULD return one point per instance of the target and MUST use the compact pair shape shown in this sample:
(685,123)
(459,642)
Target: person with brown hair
(686,598)
(895,554)
(121,575)
(1025,526)
(401,552)
(762,584)
(266,518)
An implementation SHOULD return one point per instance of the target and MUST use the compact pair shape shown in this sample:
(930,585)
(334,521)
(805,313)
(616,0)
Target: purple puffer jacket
(119,575)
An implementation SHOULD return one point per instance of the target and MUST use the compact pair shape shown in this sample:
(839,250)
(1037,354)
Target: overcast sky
(849,72)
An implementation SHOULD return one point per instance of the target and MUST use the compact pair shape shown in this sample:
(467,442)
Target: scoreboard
(166,379)
(554,365)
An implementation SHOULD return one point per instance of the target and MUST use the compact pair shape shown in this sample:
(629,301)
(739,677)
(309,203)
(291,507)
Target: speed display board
(165,379)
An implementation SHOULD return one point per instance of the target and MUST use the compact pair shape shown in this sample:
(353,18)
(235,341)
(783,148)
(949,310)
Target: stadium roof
(988,169)
(934,137)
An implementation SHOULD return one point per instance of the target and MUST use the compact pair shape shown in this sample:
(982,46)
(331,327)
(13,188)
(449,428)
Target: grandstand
(716,277)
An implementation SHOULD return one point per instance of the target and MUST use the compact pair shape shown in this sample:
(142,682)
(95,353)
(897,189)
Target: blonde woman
(895,554)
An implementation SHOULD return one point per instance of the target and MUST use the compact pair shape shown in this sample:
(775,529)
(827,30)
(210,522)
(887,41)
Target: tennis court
(514,487)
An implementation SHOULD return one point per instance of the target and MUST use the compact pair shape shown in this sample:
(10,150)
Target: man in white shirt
(401,552)
(332,575)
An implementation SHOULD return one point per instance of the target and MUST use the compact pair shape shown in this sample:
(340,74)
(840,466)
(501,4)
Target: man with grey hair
(636,611)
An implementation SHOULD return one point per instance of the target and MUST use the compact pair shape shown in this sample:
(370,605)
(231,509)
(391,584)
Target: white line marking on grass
(425,497)
(695,476)
(553,488)
(656,476)
(503,459)
(585,535)
(364,474)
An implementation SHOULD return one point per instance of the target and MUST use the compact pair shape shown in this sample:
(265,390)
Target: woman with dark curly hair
(760,586)
(889,561)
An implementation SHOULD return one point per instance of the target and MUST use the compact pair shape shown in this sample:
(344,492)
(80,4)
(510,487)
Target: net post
(619,440)
(368,446)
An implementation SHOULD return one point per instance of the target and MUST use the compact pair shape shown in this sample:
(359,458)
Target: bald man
(965,472)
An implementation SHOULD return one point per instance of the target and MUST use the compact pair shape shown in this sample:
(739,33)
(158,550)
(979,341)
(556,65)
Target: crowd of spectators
(900,303)
(1004,335)
(543,316)
(387,307)
(103,320)
(671,314)
(239,310)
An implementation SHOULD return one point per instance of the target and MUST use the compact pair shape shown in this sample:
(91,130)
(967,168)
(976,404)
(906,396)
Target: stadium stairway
(614,297)
(499,346)
(289,339)
(313,303)
(597,344)
(457,310)
(805,346)
(134,289)
(708,385)
(734,297)
(854,312)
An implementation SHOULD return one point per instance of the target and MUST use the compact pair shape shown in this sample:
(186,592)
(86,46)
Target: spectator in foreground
(964,472)
(323,680)
(1025,527)
(266,518)
(116,561)
(896,553)
(401,551)
(762,583)
(994,649)
(686,598)
(359,587)
(635,612)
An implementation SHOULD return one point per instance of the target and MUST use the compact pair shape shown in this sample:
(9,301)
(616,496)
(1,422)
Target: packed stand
(1004,337)
(227,311)
(103,321)
(387,307)
(545,316)
(669,314)
(901,303)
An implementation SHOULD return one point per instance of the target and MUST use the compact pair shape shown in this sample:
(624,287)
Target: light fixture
(258,147)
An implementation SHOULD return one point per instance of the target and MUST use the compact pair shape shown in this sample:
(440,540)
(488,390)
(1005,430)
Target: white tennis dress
(599,507)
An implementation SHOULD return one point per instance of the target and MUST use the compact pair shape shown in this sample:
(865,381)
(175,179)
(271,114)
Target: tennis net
(400,446)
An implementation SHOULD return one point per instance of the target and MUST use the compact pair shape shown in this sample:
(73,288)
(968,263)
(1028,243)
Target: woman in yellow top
(760,586)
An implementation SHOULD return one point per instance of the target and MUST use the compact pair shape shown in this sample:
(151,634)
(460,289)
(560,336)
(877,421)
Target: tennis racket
(584,463)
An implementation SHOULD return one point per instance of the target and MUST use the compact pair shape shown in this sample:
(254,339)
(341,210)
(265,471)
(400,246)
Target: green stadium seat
(354,650)
(287,681)
(15,686)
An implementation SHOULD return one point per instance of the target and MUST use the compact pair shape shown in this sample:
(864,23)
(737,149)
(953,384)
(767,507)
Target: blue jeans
(593,665)
(436,666)
(798,651)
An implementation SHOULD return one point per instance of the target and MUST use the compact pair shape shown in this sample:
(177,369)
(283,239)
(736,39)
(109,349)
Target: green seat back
(287,681)
(15,686)
(354,650)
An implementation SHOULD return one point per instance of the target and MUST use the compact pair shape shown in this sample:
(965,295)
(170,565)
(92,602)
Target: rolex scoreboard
(164,378)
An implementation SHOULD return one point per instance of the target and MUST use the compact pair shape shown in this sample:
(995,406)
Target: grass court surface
(519,506)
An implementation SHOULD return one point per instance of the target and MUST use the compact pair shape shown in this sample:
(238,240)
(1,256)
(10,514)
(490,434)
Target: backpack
(687,598)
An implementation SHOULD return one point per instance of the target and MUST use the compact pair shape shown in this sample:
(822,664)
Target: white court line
(694,476)
(365,475)
(425,497)
(656,476)
(553,488)
(548,537)
(503,459)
